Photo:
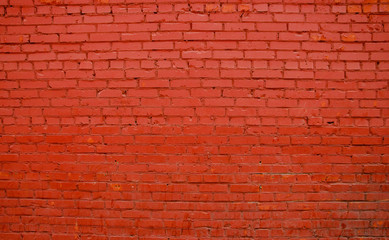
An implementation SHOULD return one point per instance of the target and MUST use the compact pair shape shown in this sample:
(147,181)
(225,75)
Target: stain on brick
(354,9)
(348,37)
(229,8)
(212,7)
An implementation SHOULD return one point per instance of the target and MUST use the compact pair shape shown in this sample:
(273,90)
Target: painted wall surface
(194,119)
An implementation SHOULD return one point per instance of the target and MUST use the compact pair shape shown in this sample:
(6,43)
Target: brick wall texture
(194,119)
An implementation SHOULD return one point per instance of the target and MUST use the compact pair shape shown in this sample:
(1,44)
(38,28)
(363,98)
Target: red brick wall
(176,119)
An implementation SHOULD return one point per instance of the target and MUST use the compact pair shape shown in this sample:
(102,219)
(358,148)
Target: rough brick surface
(176,119)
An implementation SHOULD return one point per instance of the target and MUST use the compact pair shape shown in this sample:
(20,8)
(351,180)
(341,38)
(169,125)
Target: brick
(157,45)
(67,19)
(204,73)
(166,36)
(235,73)
(174,26)
(191,17)
(298,74)
(143,27)
(81,28)
(354,8)
(196,54)
(99,37)
(132,55)
(303,27)
(198,36)
(227,8)
(255,17)
(262,36)
(115,46)
(212,7)
(99,56)
(112,27)
(289,17)
(35,48)
(224,17)
(285,45)
(321,17)
(207,26)
(172,73)
(73,37)
(230,36)
(34,20)
(160,18)
(228,54)
(316,46)
(353,56)
(13,57)
(260,54)
(271,27)
(51,29)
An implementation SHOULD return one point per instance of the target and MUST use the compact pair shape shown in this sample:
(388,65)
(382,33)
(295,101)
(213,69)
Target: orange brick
(228,8)
(318,37)
(245,7)
(212,7)
(384,8)
(370,8)
(354,9)
(348,37)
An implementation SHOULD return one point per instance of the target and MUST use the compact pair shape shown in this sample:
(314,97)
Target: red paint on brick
(129,119)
